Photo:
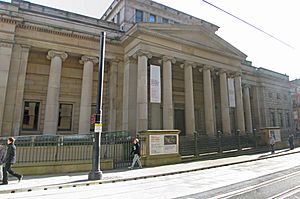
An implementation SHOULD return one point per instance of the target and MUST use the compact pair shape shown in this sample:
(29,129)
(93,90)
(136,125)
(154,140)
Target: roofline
(111,6)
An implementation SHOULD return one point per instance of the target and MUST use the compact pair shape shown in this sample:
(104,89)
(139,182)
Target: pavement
(66,180)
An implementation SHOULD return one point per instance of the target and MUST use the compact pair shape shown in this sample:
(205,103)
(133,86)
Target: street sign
(98,128)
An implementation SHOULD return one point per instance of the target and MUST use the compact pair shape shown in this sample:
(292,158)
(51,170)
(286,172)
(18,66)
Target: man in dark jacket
(136,150)
(10,159)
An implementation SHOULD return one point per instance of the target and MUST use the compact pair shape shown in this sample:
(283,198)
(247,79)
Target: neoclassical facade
(203,84)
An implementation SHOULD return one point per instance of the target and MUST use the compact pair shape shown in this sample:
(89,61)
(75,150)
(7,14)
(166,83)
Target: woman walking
(136,150)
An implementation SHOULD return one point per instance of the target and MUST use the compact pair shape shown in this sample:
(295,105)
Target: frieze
(67,33)
(6,45)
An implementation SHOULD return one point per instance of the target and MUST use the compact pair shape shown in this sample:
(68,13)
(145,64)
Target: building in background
(295,92)
(164,69)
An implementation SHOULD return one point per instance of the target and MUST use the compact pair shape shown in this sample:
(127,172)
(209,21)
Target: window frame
(141,18)
(72,117)
(38,115)
(154,17)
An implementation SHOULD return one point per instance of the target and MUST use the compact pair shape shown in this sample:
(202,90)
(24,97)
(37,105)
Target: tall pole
(96,173)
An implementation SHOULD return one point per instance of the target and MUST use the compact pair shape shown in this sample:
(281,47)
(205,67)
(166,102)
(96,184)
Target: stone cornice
(53,53)
(86,58)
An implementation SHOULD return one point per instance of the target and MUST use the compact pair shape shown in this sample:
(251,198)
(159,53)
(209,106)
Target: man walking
(10,159)
(136,150)
(272,143)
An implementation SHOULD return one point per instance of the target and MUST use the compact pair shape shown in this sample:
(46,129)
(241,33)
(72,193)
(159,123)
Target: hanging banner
(231,92)
(155,90)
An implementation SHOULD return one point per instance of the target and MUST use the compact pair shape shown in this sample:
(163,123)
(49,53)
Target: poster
(155,84)
(275,134)
(231,92)
(163,144)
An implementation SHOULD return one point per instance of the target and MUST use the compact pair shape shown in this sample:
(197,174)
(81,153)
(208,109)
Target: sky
(276,17)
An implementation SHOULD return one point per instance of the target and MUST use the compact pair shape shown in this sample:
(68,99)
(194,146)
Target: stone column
(52,103)
(112,82)
(5,57)
(168,110)
(86,93)
(18,111)
(15,89)
(226,129)
(129,95)
(247,106)
(142,91)
(239,103)
(208,101)
(189,99)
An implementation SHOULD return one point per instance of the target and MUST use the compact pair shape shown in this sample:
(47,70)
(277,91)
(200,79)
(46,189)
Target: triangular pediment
(195,34)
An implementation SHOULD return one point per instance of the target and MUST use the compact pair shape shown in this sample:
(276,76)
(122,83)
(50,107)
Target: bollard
(219,134)
(196,144)
(238,139)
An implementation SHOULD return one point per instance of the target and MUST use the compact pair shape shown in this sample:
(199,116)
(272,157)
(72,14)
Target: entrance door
(179,121)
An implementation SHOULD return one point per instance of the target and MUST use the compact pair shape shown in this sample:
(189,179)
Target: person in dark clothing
(291,141)
(9,160)
(136,150)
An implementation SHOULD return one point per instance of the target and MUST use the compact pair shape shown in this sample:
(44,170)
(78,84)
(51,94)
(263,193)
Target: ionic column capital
(222,71)
(130,59)
(207,67)
(86,58)
(142,53)
(53,53)
(246,86)
(169,58)
(237,74)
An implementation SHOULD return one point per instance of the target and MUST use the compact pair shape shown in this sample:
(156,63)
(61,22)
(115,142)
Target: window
(165,20)
(65,117)
(272,119)
(285,97)
(139,16)
(117,18)
(152,18)
(31,116)
(288,122)
(280,119)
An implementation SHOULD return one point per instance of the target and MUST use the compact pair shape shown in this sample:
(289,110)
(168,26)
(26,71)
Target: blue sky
(276,17)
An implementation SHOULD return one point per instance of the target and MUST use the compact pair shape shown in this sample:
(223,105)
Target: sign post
(96,173)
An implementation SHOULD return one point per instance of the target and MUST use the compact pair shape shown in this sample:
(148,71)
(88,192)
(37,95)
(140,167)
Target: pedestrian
(136,150)
(291,141)
(10,159)
(2,158)
(272,144)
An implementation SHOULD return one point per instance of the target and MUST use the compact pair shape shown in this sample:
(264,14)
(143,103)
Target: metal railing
(204,145)
(72,148)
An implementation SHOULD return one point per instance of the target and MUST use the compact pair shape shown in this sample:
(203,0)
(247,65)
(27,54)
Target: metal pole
(96,173)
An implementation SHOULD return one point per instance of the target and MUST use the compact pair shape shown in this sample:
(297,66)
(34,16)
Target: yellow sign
(98,127)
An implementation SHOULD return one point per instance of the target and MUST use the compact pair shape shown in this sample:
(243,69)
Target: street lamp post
(96,173)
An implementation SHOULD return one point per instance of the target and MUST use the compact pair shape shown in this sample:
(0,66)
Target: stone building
(295,92)
(164,69)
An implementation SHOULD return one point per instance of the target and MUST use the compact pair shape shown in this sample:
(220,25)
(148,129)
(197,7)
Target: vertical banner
(231,92)
(155,88)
